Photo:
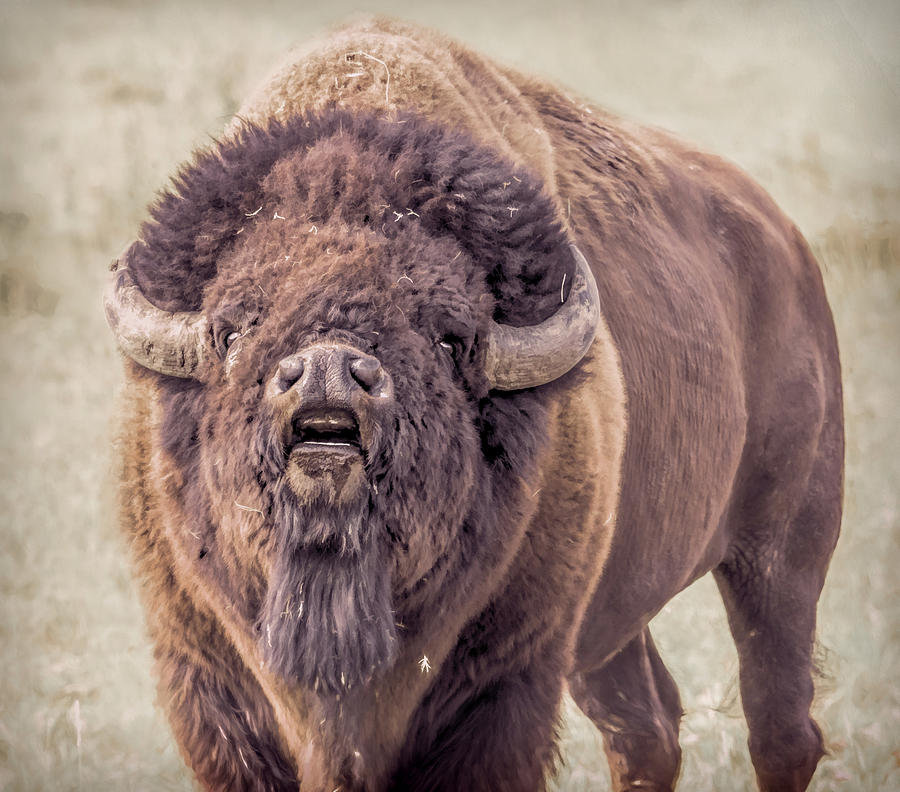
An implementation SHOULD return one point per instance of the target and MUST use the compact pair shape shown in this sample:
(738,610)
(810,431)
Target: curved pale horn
(525,357)
(163,341)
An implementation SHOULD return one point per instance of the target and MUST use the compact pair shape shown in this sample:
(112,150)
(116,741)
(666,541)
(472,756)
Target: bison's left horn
(525,357)
(172,343)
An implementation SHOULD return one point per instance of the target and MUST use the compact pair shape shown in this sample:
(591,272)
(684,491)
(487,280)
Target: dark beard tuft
(327,621)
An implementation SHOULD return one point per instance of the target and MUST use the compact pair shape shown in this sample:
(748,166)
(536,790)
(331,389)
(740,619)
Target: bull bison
(440,384)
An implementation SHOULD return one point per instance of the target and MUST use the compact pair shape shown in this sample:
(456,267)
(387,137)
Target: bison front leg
(501,738)
(634,702)
(224,733)
(221,720)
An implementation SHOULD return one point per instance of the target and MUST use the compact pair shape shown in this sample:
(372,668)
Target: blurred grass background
(100,100)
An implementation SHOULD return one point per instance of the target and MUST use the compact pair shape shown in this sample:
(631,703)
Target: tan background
(99,101)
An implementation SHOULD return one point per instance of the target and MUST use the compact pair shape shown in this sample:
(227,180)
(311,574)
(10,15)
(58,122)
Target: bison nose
(289,371)
(366,371)
(334,369)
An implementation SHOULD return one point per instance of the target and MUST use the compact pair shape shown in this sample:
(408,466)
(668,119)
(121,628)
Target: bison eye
(225,338)
(454,346)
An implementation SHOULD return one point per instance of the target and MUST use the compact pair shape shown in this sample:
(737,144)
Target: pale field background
(101,100)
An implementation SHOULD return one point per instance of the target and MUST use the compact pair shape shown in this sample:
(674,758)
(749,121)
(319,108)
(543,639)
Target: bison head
(344,316)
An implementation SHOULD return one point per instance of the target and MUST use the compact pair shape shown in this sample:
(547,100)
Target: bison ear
(525,357)
(172,343)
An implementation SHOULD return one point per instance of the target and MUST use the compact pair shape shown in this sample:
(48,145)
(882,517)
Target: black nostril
(289,371)
(366,371)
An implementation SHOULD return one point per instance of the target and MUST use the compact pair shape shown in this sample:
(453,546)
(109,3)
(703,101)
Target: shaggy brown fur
(407,619)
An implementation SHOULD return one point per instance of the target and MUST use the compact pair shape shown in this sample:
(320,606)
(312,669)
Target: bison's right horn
(525,357)
(172,343)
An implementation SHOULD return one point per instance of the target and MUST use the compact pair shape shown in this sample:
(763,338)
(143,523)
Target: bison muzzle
(439,385)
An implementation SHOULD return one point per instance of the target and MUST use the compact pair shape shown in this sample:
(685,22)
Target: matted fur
(407,619)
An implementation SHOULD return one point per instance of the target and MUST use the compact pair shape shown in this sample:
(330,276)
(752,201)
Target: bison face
(341,431)
(343,406)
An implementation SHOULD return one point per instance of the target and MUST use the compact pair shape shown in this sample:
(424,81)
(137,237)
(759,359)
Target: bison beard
(327,617)
(326,620)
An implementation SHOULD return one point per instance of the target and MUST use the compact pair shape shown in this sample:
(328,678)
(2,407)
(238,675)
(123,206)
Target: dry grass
(101,99)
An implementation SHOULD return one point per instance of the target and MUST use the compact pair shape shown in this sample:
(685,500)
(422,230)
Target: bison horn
(525,357)
(172,343)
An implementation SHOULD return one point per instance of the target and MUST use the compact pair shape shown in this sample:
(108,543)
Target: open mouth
(325,456)
(325,430)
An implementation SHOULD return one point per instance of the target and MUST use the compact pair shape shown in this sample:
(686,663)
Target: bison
(440,383)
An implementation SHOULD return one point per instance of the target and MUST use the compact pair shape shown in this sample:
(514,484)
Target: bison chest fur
(407,449)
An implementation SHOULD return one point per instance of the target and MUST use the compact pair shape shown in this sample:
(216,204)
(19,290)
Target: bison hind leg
(770,583)
(773,627)
(634,702)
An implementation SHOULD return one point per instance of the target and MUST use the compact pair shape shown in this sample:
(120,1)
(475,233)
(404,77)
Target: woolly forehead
(342,179)
(336,277)
(343,173)
(337,218)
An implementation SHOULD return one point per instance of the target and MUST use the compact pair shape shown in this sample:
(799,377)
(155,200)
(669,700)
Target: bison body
(440,384)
